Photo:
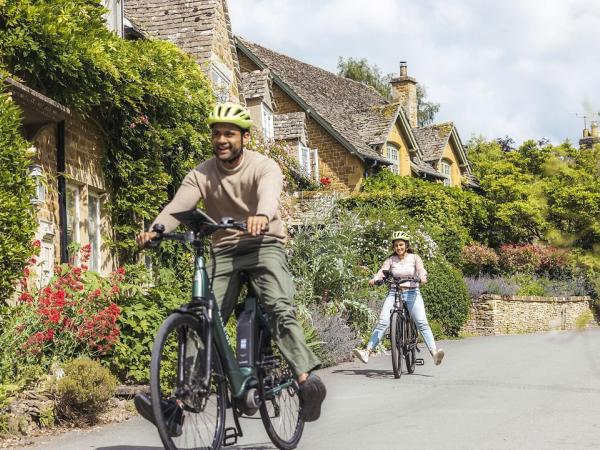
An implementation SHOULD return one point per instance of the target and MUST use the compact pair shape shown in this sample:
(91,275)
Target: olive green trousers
(265,262)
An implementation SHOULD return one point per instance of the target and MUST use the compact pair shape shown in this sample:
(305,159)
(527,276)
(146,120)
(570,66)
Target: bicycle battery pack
(245,338)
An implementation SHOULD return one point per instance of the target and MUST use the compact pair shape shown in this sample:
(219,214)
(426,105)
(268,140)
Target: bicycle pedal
(230,437)
(419,361)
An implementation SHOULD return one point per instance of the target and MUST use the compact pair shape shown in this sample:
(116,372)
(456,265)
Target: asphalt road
(539,391)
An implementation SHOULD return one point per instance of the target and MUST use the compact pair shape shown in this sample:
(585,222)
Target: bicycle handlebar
(390,279)
(191,235)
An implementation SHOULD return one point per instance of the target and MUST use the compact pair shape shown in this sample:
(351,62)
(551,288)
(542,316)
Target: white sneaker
(438,355)
(363,355)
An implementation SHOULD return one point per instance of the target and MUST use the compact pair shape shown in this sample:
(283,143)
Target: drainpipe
(62,190)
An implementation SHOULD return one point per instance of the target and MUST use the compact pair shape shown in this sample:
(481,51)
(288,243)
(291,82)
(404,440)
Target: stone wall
(495,314)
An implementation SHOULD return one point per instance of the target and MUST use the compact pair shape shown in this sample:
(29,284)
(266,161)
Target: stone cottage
(352,131)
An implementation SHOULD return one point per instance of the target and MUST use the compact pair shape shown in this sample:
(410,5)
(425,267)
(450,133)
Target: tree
(360,70)
(426,111)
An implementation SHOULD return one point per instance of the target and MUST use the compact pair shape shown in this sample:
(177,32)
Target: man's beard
(236,154)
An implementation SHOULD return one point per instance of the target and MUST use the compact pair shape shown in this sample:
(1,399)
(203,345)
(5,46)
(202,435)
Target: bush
(143,309)
(336,338)
(498,285)
(16,189)
(478,259)
(85,390)
(74,315)
(446,297)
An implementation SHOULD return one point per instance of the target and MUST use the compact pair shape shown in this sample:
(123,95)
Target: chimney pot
(594,128)
(403,69)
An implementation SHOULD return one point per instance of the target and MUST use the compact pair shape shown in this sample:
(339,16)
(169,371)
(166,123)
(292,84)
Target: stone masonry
(495,314)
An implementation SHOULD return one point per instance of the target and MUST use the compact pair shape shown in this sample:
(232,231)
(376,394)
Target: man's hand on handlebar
(256,225)
(143,238)
(372,282)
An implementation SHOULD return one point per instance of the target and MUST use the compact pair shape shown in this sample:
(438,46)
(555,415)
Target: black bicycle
(195,376)
(403,331)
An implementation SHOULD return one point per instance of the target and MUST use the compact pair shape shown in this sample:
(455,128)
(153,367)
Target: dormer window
(393,155)
(447,171)
(114,16)
(267,121)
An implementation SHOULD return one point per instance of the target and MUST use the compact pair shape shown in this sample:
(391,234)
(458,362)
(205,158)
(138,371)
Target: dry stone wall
(495,314)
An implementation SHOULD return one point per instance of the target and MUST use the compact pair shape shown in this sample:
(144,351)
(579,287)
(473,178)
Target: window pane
(72,215)
(94,231)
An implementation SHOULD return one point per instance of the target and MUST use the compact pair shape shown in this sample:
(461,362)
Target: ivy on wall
(17,224)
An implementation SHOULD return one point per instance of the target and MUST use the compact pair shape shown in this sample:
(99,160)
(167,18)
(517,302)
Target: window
(392,155)
(94,231)
(221,80)
(304,159)
(73,217)
(114,16)
(37,173)
(315,165)
(267,122)
(447,171)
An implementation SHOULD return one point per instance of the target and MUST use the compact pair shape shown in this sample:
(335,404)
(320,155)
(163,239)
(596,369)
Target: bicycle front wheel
(411,341)
(187,415)
(280,408)
(396,343)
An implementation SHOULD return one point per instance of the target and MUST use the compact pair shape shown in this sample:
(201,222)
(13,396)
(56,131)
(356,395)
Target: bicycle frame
(203,296)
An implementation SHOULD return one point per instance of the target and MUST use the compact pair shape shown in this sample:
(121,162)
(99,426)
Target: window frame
(446,170)
(76,232)
(266,115)
(95,241)
(305,160)
(395,168)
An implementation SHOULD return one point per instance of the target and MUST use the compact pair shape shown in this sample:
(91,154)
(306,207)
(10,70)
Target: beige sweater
(252,188)
(411,266)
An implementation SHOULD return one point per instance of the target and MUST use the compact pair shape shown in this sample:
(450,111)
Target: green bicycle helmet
(400,235)
(229,112)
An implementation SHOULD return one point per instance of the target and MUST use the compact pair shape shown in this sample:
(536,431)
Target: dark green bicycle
(195,374)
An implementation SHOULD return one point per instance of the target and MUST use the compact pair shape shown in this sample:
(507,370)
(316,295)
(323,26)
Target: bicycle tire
(396,343)
(411,340)
(192,407)
(279,410)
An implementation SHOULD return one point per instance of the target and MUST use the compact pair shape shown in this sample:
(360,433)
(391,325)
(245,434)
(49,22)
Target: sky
(519,68)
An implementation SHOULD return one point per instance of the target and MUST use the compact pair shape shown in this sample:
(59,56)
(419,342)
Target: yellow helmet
(229,112)
(400,235)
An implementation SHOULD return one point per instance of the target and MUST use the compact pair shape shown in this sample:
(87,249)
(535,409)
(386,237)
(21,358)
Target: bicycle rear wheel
(411,340)
(396,334)
(187,416)
(280,408)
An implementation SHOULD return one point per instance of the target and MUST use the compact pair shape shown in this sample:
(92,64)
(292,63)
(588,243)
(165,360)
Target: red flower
(325,181)
(37,243)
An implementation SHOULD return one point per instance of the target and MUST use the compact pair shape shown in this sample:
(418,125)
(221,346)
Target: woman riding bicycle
(403,263)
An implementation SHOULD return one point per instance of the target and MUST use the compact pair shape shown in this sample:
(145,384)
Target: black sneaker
(173,413)
(311,393)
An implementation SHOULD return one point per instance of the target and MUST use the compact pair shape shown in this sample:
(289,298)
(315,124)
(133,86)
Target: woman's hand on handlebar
(143,238)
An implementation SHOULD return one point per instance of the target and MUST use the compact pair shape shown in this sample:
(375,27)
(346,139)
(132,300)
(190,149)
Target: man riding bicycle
(246,185)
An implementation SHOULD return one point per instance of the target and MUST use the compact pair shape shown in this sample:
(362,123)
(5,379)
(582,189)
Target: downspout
(62,190)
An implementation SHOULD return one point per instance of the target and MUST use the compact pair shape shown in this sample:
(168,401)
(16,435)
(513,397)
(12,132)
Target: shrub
(519,258)
(336,338)
(446,297)
(478,259)
(498,285)
(85,390)
(75,314)
(16,189)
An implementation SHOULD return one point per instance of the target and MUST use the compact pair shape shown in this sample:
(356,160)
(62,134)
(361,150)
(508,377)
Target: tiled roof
(344,104)
(255,84)
(432,139)
(424,168)
(189,24)
(374,123)
(290,126)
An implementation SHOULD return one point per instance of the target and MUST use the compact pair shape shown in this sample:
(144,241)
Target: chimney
(594,129)
(404,90)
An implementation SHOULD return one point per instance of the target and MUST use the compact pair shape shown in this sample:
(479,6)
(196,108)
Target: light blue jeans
(416,307)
